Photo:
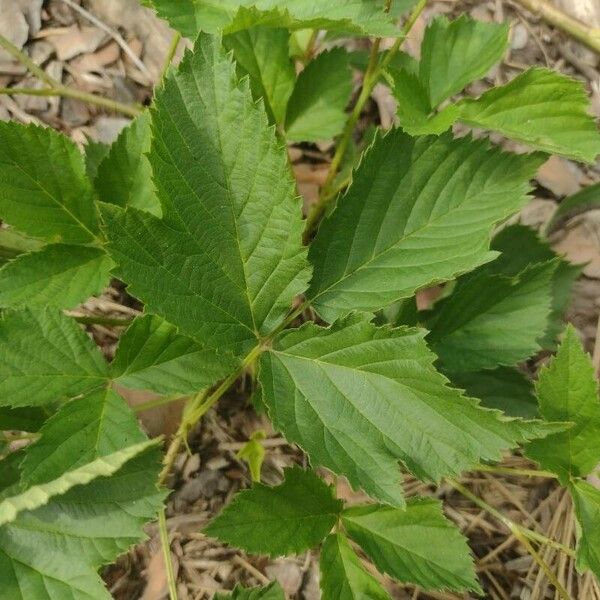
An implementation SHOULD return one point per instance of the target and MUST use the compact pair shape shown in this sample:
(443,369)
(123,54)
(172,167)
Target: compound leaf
(586,500)
(343,576)
(492,320)
(359,399)
(264,55)
(124,176)
(316,110)
(455,53)
(272,591)
(286,519)
(226,260)
(567,390)
(419,211)
(45,356)
(44,191)
(542,108)
(153,356)
(417,545)
(57,275)
(363,17)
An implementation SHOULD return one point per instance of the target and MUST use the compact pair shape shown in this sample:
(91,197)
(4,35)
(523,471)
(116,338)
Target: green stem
(170,54)
(108,321)
(166,549)
(511,525)
(55,88)
(372,75)
(27,62)
(516,472)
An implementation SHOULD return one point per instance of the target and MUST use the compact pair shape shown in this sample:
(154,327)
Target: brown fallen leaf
(13,26)
(162,420)
(70,42)
(560,176)
(581,243)
(98,60)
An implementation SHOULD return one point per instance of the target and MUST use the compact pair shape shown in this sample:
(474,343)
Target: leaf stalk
(55,88)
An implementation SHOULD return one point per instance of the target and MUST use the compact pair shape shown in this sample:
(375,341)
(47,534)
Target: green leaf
(10,472)
(124,176)
(58,275)
(54,551)
(586,500)
(44,190)
(40,494)
(567,390)
(45,356)
(542,108)
(287,519)
(14,243)
(21,419)
(492,320)
(226,260)
(56,532)
(84,429)
(272,591)
(316,110)
(363,17)
(455,53)
(152,356)
(586,199)
(521,247)
(414,107)
(343,576)
(419,211)
(417,545)
(504,389)
(94,154)
(264,55)
(359,399)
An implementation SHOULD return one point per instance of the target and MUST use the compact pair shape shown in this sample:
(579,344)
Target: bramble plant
(195,209)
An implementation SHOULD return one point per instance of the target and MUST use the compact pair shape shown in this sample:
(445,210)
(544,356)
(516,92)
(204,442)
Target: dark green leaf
(58,275)
(152,356)
(47,169)
(492,320)
(226,260)
(45,356)
(504,389)
(287,519)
